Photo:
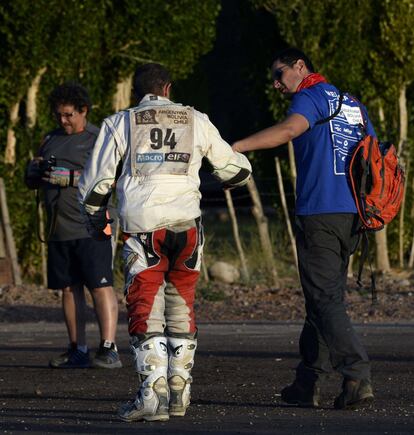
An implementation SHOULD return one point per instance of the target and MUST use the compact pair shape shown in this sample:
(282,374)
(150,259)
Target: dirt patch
(395,295)
(226,302)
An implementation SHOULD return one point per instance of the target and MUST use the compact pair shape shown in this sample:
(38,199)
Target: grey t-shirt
(71,151)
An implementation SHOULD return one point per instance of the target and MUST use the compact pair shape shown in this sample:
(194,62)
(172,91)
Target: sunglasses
(65,115)
(278,72)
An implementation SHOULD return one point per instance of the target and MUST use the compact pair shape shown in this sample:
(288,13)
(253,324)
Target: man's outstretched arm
(293,126)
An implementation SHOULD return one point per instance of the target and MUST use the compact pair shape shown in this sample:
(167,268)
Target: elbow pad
(240,179)
(97,199)
(95,202)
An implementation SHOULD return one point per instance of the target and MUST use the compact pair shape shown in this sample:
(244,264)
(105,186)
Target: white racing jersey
(153,152)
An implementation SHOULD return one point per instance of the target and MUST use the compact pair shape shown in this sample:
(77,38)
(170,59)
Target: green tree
(397,44)
(357,45)
(97,42)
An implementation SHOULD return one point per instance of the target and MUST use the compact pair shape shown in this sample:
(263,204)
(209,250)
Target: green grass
(220,246)
(209,292)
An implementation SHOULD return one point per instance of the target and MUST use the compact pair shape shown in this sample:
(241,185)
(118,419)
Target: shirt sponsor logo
(177,157)
(352,114)
(150,158)
(146,117)
(345,134)
(175,116)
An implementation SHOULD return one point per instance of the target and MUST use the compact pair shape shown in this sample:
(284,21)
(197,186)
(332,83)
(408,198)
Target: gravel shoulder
(232,302)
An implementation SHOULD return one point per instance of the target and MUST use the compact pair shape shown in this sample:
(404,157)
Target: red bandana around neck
(311,80)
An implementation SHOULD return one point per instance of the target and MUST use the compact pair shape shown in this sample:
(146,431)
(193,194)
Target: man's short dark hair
(290,55)
(150,79)
(71,93)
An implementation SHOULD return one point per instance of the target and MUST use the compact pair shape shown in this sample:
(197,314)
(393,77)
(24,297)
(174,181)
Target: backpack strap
(338,109)
(366,170)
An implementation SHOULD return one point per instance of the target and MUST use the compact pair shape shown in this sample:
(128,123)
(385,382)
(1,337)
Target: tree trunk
(122,97)
(411,260)
(11,247)
(244,270)
(204,270)
(31,103)
(292,165)
(262,225)
(286,212)
(402,103)
(383,262)
(10,153)
(381,116)
(350,272)
(114,240)
(401,222)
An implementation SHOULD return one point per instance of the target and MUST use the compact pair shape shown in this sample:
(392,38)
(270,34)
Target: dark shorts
(82,261)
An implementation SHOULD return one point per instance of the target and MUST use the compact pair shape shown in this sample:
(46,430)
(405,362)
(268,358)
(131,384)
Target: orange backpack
(377,182)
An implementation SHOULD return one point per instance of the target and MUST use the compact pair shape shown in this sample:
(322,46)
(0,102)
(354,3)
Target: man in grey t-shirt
(74,258)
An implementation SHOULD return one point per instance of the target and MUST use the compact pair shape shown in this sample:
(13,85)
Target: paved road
(240,369)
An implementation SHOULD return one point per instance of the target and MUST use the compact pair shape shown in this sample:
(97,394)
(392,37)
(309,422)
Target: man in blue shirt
(324,125)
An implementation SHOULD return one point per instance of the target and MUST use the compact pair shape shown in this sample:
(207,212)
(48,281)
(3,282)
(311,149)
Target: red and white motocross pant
(161,272)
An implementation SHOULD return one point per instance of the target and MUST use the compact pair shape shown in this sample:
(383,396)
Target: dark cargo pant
(328,340)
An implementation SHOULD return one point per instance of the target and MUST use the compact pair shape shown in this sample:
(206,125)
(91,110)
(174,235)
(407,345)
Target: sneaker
(354,393)
(62,358)
(301,395)
(77,360)
(150,404)
(107,356)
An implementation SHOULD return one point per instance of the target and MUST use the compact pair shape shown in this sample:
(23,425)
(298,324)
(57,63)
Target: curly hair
(70,93)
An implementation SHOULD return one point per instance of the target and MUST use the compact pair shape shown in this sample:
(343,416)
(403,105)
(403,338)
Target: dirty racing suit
(154,152)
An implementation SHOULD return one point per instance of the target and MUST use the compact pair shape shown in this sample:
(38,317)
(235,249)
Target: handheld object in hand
(46,165)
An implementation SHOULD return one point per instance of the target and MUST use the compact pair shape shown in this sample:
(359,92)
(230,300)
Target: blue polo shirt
(324,151)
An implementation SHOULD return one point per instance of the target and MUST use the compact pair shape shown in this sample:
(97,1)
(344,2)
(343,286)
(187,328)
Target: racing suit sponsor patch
(177,157)
(145,117)
(159,136)
(150,158)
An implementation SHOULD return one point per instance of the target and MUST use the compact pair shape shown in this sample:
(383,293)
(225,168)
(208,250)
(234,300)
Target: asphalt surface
(239,372)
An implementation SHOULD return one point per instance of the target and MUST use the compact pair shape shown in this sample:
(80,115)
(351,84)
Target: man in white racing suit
(154,152)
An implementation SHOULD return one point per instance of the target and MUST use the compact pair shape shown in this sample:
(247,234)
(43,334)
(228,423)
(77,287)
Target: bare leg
(106,308)
(73,304)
